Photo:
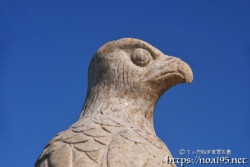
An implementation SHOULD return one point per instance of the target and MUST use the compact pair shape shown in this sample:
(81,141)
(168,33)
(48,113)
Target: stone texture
(126,78)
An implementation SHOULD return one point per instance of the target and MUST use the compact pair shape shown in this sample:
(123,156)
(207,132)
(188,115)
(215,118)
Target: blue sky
(46,46)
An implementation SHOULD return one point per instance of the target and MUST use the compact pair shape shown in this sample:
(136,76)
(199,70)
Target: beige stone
(115,129)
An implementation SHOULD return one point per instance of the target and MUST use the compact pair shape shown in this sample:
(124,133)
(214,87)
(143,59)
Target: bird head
(135,65)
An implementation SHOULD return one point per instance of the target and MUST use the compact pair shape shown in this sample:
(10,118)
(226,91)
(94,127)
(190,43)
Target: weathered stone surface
(126,78)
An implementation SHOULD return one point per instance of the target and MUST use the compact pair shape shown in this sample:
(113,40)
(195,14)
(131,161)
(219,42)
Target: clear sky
(46,47)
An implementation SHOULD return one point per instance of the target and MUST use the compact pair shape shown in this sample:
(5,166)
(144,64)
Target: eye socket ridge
(141,57)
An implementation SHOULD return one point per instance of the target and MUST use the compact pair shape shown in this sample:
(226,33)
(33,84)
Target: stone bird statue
(115,129)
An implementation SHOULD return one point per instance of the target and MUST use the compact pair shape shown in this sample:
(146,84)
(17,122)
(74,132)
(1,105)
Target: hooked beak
(186,72)
(167,72)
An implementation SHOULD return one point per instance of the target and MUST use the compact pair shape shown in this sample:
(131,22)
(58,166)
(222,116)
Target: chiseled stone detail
(115,129)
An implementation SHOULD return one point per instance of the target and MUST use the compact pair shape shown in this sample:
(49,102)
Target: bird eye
(141,57)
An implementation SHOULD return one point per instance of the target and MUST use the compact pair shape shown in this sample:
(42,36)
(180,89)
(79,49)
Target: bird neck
(132,105)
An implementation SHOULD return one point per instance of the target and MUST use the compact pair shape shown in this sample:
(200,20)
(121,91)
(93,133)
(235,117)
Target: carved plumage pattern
(96,142)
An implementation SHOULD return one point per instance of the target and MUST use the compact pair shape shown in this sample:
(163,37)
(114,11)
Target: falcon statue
(115,129)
